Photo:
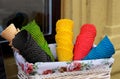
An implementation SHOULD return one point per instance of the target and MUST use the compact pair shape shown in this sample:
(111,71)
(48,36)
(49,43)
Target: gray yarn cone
(28,48)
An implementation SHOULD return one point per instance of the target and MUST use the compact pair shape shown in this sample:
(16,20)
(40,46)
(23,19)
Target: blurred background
(21,12)
(104,14)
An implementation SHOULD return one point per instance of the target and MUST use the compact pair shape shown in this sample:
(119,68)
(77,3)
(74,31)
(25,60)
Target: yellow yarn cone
(64,39)
(64,54)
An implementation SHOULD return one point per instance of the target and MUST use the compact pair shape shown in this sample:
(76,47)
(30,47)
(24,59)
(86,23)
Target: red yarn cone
(84,41)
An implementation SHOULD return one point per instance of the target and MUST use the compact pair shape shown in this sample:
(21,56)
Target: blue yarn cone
(104,49)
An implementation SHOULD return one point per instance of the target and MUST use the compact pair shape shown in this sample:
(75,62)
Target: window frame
(56,14)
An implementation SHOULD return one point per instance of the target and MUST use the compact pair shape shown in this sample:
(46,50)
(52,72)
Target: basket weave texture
(102,74)
(84,69)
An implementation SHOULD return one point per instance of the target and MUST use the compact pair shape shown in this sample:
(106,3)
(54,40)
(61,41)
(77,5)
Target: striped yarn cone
(104,49)
(64,39)
(38,36)
(28,48)
(84,41)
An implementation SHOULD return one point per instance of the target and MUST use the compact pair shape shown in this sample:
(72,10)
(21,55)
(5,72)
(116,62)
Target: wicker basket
(102,74)
(85,69)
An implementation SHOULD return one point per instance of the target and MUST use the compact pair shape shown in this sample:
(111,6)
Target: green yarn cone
(38,36)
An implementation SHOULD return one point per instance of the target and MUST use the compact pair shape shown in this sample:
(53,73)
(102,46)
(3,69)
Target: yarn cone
(9,32)
(38,36)
(64,39)
(104,49)
(28,48)
(84,41)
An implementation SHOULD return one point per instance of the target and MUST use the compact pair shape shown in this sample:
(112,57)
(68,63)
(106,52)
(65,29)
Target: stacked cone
(64,39)
(104,49)
(28,48)
(84,41)
(38,36)
(9,32)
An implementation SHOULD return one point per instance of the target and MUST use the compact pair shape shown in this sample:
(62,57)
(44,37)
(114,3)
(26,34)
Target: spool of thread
(38,36)
(84,41)
(64,39)
(28,48)
(104,49)
(9,32)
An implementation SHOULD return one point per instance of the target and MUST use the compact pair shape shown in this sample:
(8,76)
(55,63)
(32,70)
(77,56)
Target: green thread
(38,36)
